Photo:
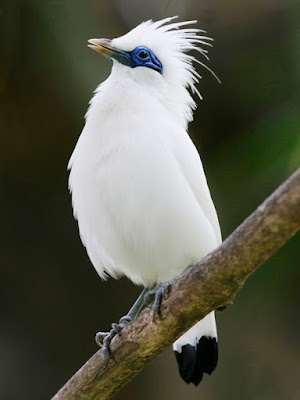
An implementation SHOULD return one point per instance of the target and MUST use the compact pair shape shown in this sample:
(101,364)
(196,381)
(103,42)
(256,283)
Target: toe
(105,352)
(125,320)
(116,328)
(99,337)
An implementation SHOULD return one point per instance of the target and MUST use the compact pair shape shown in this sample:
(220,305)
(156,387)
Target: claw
(106,343)
(117,328)
(100,337)
(158,294)
(126,319)
(103,339)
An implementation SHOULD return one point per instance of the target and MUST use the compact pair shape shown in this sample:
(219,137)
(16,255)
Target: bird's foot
(103,339)
(159,292)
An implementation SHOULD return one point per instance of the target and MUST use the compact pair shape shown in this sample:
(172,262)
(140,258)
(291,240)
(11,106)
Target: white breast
(139,191)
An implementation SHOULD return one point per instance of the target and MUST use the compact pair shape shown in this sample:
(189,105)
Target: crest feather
(170,42)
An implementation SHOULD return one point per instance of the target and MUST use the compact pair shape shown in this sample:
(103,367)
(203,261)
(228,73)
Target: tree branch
(212,282)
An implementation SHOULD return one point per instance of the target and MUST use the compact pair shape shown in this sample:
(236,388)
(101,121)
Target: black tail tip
(193,361)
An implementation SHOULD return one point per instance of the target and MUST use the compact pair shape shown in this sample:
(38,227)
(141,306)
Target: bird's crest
(171,42)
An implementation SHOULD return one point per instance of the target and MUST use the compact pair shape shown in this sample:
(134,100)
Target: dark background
(247,131)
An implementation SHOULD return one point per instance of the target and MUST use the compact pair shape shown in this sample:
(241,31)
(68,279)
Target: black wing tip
(193,362)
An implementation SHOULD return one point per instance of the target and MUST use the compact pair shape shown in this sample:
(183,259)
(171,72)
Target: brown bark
(212,282)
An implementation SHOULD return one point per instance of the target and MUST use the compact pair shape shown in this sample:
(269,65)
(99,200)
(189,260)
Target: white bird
(138,187)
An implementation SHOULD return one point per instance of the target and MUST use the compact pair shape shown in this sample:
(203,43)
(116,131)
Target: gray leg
(104,338)
(138,305)
(158,293)
(160,290)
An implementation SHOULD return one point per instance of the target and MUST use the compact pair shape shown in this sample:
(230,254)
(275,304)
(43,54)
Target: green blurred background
(247,132)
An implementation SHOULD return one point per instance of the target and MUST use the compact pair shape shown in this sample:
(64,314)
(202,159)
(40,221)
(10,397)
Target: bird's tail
(197,350)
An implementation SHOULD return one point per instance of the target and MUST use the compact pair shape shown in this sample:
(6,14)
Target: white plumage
(138,187)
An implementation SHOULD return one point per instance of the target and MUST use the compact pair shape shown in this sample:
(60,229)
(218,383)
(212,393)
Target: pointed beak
(104,47)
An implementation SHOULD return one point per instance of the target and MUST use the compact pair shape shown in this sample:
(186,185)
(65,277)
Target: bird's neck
(120,94)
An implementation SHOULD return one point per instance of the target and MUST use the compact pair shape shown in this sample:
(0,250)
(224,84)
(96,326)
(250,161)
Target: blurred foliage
(247,132)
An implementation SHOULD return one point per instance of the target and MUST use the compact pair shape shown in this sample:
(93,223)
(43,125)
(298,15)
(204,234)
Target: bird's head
(155,53)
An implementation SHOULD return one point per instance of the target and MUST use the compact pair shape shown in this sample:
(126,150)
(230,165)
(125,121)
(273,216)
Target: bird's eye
(143,55)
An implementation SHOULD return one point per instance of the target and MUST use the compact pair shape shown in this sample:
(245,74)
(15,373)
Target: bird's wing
(191,166)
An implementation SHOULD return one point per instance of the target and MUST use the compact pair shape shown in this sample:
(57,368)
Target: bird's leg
(103,339)
(161,289)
